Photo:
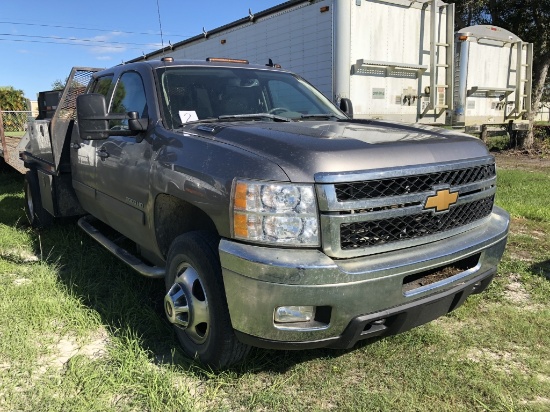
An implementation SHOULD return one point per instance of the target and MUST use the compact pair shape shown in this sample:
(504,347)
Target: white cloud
(102,44)
(108,48)
(101,38)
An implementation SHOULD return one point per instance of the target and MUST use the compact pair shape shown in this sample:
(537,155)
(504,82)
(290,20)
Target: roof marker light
(225,60)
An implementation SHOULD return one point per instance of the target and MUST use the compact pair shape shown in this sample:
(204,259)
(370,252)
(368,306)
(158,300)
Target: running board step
(85,223)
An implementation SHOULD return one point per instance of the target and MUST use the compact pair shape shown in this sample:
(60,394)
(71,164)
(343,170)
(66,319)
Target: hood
(303,149)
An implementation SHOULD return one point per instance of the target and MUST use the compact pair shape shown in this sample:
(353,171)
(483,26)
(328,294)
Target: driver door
(123,163)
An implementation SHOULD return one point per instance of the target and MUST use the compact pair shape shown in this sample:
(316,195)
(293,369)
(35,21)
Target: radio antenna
(160,27)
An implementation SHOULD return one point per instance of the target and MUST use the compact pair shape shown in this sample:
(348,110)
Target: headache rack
(47,147)
(382,210)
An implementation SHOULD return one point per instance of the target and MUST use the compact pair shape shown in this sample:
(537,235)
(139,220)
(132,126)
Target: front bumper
(357,298)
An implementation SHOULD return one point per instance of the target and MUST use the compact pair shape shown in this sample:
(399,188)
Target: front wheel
(195,301)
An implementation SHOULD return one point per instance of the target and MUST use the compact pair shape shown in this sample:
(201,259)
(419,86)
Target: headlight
(275,213)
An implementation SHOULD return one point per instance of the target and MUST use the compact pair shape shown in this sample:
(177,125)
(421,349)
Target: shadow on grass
(263,360)
(12,211)
(129,305)
(11,200)
(542,269)
(132,305)
(11,182)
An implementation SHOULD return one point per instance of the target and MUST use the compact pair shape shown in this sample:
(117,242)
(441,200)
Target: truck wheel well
(174,217)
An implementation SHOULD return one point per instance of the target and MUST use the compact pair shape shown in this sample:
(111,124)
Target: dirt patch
(539,400)
(501,360)
(537,234)
(523,160)
(21,281)
(516,293)
(19,256)
(194,387)
(67,347)
(521,255)
(518,225)
(453,326)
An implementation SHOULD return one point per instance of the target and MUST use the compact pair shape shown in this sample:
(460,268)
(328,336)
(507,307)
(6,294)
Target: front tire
(195,301)
(39,218)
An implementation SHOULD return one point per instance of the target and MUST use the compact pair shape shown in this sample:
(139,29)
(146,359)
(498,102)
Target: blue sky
(40,41)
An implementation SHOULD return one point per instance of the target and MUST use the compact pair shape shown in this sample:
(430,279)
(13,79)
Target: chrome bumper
(259,279)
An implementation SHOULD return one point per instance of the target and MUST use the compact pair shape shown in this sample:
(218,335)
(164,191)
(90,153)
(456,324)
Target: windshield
(196,93)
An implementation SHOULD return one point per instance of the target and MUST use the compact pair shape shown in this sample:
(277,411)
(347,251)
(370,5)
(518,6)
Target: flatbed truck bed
(9,151)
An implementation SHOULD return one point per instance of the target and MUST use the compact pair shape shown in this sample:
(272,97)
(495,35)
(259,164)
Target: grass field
(15,134)
(79,331)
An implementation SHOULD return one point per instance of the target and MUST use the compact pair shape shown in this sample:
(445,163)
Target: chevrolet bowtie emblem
(442,200)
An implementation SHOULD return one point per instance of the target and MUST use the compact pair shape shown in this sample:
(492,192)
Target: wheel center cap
(177,307)
(169,310)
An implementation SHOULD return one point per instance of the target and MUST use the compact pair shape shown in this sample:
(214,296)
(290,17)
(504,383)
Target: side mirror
(93,119)
(91,113)
(136,124)
(346,106)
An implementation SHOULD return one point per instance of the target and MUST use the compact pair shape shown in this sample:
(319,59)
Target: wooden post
(484,133)
(3,137)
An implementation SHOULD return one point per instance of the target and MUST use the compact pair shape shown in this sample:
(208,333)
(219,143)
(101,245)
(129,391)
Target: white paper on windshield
(188,116)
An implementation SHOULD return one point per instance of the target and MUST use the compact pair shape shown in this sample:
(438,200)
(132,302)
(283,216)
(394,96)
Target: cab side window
(129,96)
(102,85)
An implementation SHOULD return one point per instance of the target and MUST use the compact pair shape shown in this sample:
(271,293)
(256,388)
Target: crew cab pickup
(275,218)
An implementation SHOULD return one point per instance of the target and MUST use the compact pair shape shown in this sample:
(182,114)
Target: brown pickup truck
(275,218)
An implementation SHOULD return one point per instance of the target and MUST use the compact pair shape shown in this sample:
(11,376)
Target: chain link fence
(14,122)
(13,125)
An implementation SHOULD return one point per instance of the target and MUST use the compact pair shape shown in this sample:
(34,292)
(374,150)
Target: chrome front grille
(376,232)
(398,186)
(386,209)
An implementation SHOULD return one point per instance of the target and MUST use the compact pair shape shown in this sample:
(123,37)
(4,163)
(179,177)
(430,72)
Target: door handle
(103,154)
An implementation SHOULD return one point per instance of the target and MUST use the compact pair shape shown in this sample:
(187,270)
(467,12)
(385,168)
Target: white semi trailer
(493,79)
(392,58)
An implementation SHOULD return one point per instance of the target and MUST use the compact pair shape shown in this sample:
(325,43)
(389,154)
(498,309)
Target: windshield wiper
(254,116)
(319,116)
